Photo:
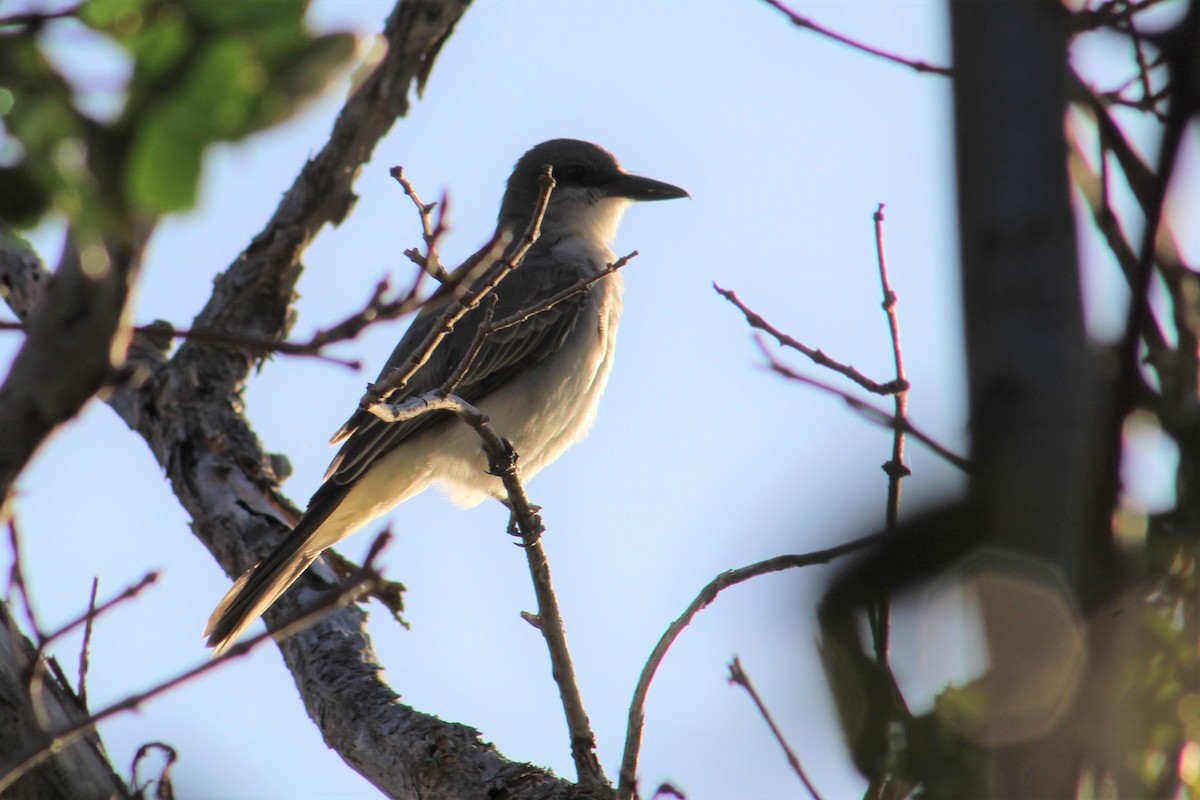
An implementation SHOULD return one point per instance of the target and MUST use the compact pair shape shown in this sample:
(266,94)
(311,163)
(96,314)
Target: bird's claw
(504,462)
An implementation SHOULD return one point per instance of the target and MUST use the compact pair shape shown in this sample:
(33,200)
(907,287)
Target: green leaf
(163,170)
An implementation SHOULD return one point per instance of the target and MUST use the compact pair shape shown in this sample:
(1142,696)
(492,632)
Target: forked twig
(868,411)
(818,357)
(399,377)
(431,232)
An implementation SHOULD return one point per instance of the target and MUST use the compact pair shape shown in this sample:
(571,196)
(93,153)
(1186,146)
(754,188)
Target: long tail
(258,589)
(253,593)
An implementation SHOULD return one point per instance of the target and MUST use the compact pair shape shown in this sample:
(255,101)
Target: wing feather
(505,355)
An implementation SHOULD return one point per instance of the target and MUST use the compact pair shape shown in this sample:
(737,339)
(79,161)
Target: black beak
(635,187)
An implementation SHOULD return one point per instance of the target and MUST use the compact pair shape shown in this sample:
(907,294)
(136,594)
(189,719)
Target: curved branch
(637,709)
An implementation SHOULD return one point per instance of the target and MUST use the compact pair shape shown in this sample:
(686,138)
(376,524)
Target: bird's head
(591,192)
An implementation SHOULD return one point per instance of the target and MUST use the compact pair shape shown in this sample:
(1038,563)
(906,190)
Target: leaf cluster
(198,73)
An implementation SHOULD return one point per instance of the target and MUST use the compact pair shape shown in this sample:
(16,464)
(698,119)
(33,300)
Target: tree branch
(808,24)
(637,708)
(503,462)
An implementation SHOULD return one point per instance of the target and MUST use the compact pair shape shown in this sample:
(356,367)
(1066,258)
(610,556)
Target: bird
(539,381)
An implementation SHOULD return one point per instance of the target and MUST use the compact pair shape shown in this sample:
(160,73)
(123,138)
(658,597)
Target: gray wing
(503,356)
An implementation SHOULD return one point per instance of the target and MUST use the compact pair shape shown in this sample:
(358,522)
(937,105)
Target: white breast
(545,411)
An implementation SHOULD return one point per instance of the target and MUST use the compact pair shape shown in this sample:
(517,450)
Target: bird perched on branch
(539,380)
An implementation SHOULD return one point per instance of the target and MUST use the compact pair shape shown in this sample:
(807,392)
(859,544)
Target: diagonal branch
(817,356)
(808,24)
(868,411)
(738,676)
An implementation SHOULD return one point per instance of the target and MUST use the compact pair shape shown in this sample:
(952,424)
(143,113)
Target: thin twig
(808,24)
(37,670)
(56,742)
(869,412)
(378,309)
(580,286)
(757,322)
(481,336)
(738,676)
(86,647)
(16,582)
(399,377)
(637,708)
(895,468)
(1094,188)
(430,231)
(1110,14)
(502,462)
(86,618)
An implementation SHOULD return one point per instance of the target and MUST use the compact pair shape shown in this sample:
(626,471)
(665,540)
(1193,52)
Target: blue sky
(701,459)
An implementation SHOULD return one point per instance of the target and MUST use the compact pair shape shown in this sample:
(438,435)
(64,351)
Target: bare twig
(55,742)
(1094,189)
(398,378)
(86,618)
(738,676)
(818,357)
(895,468)
(870,412)
(1114,13)
(430,231)
(16,582)
(808,24)
(481,335)
(580,286)
(85,648)
(36,676)
(1148,93)
(378,309)
(502,462)
(637,708)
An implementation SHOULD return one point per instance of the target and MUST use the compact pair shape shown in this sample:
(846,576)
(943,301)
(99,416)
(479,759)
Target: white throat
(576,212)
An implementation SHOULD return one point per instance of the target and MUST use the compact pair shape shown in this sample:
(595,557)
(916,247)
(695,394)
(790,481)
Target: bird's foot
(504,462)
(514,524)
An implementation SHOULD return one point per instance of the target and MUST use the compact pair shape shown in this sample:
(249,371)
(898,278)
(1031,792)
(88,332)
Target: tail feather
(253,593)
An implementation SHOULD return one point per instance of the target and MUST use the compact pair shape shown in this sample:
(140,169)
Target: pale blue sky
(700,461)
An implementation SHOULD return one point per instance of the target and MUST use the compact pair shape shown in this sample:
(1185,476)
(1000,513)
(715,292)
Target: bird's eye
(572,173)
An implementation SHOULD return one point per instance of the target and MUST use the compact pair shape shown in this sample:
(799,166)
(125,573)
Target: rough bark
(80,771)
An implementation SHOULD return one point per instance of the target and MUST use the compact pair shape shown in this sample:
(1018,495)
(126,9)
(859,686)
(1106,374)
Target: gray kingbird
(539,381)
